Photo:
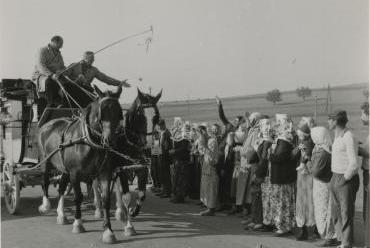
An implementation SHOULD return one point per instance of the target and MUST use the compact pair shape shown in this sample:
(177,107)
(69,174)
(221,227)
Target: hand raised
(218,100)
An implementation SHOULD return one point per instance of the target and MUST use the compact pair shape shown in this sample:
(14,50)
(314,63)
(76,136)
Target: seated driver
(84,73)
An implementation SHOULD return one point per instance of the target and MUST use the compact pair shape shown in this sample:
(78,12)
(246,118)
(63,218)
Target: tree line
(275,95)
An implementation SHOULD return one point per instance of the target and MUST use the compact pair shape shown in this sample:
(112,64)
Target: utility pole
(330,103)
(188,105)
(315,108)
(150,90)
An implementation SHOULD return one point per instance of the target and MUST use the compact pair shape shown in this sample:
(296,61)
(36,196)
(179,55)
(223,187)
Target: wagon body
(18,139)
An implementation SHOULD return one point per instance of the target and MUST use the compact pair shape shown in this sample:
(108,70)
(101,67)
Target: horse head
(137,119)
(104,115)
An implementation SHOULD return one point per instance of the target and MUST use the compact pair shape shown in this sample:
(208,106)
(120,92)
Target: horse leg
(77,224)
(68,189)
(61,219)
(129,229)
(119,203)
(45,206)
(108,235)
(97,199)
(142,178)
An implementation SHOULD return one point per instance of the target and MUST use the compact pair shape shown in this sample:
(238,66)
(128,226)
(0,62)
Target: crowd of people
(276,175)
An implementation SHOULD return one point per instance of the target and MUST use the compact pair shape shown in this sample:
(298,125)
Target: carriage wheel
(11,189)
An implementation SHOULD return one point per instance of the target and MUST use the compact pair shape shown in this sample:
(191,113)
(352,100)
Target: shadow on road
(162,220)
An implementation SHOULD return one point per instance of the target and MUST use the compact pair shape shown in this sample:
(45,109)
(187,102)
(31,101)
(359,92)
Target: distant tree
(366,93)
(303,92)
(273,96)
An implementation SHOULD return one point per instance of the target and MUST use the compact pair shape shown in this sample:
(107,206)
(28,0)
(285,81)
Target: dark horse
(136,131)
(82,160)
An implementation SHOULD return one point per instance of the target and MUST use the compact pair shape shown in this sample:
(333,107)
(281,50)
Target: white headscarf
(321,137)
(177,122)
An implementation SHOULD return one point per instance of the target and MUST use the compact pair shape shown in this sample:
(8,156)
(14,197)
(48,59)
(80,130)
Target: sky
(200,48)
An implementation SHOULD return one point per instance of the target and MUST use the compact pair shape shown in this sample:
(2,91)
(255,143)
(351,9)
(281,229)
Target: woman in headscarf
(281,212)
(258,173)
(209,180)
(263,151)
(304,206)
(321,171)
(181,158)
(239,138)
(176,129)
(247,164)
(229,126)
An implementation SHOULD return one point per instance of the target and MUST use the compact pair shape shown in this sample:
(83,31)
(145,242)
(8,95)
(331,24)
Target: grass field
(345,97)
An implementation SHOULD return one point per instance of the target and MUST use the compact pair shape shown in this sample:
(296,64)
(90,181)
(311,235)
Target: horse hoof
(98,214)
(43,209)
(78,227)
(61,220)
(129,231)
(118,215)
(108,237)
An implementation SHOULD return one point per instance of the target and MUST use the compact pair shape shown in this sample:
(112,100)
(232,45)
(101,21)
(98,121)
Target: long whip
(108,46)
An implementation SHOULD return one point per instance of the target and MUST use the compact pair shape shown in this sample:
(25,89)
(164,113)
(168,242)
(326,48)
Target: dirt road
(161,224)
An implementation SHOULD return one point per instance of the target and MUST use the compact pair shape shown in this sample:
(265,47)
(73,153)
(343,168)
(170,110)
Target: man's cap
(87,54)
(56,38)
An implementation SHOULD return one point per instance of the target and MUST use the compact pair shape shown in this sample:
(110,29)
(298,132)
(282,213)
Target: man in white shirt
(345,181)
(363,151)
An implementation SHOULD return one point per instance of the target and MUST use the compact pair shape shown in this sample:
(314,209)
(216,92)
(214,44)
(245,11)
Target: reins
(86,140)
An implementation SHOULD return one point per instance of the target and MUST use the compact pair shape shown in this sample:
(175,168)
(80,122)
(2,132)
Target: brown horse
(136,131)
(84,160)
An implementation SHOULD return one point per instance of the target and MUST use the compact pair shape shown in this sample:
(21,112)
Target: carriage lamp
(5,118)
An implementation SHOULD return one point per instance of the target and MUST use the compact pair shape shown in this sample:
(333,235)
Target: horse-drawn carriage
(21,130)
(18,141)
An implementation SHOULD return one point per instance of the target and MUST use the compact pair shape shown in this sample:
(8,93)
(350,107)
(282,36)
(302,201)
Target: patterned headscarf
(321,137)
(240,135)
(254,119)
(285,129)
(265,129)
(186,131)
(176,130)
(193,132)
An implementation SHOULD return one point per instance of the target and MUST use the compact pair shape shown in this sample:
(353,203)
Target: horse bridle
(127,131)
(94,131)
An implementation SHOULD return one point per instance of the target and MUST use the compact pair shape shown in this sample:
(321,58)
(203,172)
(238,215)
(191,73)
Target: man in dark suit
(165,159)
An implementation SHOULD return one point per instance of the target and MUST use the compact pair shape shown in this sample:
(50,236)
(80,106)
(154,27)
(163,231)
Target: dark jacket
(321,165)
(263,162)
(166,145)
(229,160)
(309,145)
(283,163)
(228,126)
(222,139)
(182,150)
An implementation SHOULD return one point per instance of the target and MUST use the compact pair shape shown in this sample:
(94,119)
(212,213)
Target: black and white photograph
(184,123)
